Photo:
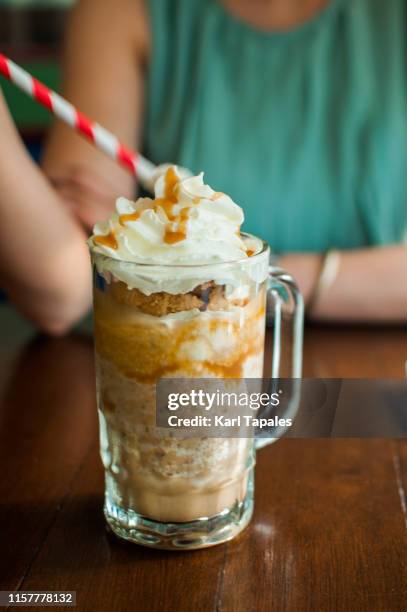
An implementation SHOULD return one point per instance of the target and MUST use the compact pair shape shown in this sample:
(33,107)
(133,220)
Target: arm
(44,261)
(370,285)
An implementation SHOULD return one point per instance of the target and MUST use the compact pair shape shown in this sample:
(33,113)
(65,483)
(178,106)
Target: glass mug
(167,492)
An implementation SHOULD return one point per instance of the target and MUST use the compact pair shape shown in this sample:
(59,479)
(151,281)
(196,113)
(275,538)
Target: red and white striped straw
(95,133)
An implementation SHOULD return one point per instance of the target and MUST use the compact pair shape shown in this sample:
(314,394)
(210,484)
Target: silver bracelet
(327,277)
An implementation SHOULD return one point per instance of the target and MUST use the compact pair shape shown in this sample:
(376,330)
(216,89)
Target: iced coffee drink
(179,292)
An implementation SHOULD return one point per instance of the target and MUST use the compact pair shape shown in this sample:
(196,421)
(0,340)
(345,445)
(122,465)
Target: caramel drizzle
(109,241)
(174,234)
(176,229)
(131,217)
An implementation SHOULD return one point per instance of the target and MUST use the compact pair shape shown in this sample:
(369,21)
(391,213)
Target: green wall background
(29,115)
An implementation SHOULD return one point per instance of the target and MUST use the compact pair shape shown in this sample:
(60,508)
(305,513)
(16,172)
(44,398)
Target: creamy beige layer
(160,476)
(173,480)
(178,507)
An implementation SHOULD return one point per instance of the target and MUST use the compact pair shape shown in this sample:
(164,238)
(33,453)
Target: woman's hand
(89,198)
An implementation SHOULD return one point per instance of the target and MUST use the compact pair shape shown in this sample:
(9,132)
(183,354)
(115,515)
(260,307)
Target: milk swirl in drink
(179,292)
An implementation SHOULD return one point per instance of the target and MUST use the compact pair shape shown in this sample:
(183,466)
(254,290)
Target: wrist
(305,269)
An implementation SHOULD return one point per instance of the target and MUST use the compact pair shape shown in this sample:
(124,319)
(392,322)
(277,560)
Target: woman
(297,108)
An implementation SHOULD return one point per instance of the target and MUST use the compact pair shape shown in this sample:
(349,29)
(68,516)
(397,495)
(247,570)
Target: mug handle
(283,293)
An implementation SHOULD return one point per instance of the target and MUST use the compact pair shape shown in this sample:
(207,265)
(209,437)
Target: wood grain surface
(329,530)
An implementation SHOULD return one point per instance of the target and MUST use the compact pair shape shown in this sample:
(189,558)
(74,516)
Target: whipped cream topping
(186,224)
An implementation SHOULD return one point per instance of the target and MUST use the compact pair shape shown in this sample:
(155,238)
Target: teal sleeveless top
(305,129)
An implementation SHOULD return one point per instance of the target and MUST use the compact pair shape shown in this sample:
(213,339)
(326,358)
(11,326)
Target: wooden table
(329,530)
